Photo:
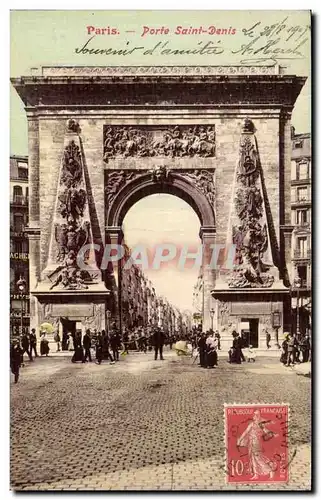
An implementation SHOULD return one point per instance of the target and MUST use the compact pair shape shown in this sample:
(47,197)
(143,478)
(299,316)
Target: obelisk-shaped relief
(71,261)
(249,227)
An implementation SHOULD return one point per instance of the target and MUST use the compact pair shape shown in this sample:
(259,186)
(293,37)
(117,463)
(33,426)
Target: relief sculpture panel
(171,141)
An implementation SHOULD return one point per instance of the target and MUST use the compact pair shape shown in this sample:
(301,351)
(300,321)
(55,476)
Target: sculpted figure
(61,239)
(72,171)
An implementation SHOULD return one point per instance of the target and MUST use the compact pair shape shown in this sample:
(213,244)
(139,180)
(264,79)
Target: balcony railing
(17,231)
(302,224)
(20,200)
(302,200)
(302,254)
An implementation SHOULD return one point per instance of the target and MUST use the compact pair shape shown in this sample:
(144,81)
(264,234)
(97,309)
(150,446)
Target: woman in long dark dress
(284,355)
(44,345)
(211,348)
(79,352)
(99,348)
(202,350)
(15,359)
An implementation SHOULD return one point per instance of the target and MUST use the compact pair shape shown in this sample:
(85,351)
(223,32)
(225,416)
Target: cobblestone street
(143,424)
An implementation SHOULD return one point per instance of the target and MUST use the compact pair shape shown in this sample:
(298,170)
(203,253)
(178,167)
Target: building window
(302,194)
(17,194)
(303,273)
(301,217)
(302,246)
(23,173)
(302,171)
(297,144)
(18,223)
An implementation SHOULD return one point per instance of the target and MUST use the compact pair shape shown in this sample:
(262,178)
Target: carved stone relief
(116,180)
(250,236)
(97,320)
(175,141)
(204,181)
(74,232)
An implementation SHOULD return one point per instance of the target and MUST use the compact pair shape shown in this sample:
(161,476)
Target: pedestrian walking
(292,346)
(115,343)
(78,349)
(284,347)
(33,342)
(144,342)
(86,342)
(158,342)
(305,348)
(235,352)
(106,352)
(15,359)
(70,343)
(25,344)
(211,351)
(99,348)
(268,339)
(44,345)
(57,340)
(218,338)
(251,354)
(202,350)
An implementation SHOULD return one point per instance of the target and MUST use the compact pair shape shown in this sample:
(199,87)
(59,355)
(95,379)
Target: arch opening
(145,186)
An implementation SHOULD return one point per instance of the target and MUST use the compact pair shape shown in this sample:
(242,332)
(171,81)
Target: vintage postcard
(160,260)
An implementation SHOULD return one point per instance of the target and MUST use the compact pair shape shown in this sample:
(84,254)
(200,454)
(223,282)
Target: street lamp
(21,285)
(212,312)
(297,284)
(276,324)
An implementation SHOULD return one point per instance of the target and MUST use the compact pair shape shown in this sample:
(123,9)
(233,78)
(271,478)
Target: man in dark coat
(201,344)
(15,359)
(305,348)
(33,342)
(25,344)
(292,349)
(86,342)
(268,339)
(106,353)
(115,343)
(236,351)
(99,348)
(158,342)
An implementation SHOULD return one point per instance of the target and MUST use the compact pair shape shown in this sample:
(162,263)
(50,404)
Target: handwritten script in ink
(260,43)
(272,43)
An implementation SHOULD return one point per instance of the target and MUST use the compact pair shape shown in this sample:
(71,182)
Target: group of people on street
(26,344)
(106,346)
(208,343)
(109,345)
(295,349)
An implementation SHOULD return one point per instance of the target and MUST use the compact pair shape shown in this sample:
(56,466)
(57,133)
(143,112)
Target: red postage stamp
(256,443)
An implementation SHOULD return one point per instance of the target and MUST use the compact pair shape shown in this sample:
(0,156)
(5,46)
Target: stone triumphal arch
(101,138)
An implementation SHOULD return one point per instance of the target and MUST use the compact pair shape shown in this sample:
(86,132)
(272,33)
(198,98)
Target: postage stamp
(256,443)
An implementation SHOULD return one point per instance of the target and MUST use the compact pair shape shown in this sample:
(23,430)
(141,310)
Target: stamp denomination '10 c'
(256,443)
